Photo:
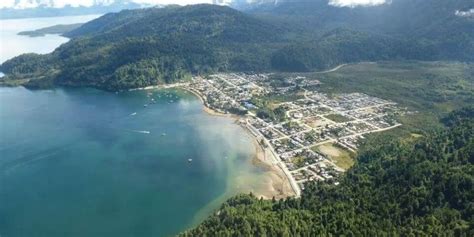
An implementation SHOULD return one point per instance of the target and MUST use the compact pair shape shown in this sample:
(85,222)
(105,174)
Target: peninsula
(56,29)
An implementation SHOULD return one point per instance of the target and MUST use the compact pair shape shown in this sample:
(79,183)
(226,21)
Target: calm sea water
(12,45)
(83,162)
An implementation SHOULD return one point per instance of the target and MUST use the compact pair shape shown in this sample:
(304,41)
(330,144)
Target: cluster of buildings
(312,120)
(227,93)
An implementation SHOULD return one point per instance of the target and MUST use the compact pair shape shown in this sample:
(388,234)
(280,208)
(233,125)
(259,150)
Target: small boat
(190,160)
(163,134)
(145,105)
(133,114)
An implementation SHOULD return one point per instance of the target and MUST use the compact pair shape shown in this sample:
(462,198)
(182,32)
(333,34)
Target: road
(332,70)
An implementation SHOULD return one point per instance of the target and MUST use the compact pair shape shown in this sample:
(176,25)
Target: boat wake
(20,162)
(141,131)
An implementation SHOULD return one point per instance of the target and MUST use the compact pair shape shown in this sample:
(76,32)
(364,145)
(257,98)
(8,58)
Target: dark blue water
(83,162)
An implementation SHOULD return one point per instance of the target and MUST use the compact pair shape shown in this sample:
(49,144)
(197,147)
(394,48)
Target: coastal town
(307,133)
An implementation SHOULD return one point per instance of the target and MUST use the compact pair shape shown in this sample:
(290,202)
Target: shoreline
(204,103)
(277,183)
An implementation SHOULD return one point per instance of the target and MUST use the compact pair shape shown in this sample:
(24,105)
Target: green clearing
(340,156)
(436,87)
(428,89)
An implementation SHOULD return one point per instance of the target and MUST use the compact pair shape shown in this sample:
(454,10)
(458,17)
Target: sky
(87,3)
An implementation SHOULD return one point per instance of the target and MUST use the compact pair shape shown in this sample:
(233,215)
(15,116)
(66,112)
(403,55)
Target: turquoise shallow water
(78,162)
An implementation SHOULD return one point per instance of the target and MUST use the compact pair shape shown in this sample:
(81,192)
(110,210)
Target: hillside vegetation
(436,87)
(403,29)
(136,48)
(397,187)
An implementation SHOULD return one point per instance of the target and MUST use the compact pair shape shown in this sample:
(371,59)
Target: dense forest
(417,187)
(137,48)
(142,47)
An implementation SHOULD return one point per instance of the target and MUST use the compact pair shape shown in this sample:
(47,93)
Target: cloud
(468,13)
(7,3)
(355,3)
(22,4)
(180,2)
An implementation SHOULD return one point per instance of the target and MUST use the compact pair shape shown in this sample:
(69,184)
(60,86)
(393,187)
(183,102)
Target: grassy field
(431,89)
(424,86)
(428,89)
(340,156)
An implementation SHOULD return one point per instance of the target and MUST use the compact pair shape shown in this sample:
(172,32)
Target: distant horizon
(58,4)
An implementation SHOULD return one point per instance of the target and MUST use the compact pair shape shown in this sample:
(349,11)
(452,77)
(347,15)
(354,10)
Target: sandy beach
(274,183)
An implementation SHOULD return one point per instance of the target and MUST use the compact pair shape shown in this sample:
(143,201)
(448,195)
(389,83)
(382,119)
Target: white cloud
(22,4)
(355,3)
(468,13)
(7,3)
(180,2)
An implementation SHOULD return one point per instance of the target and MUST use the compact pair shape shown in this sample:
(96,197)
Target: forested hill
(397,188)
(415,29)
(135,48)
(202,22)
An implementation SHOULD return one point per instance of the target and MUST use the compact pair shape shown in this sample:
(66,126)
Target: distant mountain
(397,29)
(51,8)
(42,8)
(393,16)
(135,48)
(253,4)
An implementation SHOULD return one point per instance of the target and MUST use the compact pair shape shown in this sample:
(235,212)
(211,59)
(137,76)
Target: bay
(84,162)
